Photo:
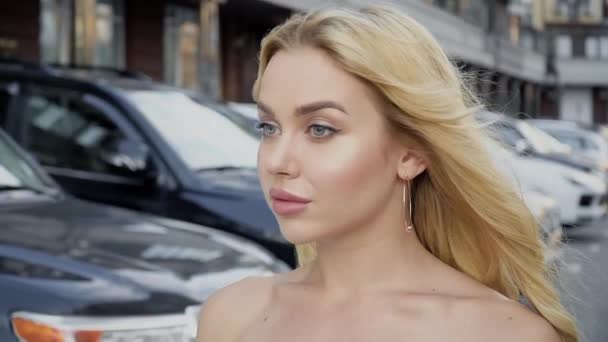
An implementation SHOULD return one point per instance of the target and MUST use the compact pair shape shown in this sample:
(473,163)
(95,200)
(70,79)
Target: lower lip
(288,207)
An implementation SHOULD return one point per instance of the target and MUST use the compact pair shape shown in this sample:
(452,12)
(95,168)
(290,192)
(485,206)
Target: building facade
(176,41)
(501,43)
(528,57)
(579,51)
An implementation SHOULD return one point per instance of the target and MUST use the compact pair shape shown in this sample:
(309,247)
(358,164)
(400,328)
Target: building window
(563,46)
(99,33)
(109,33)
(603,42)
(182,46)
(56,30)
(86,32)
(586,8)
(562,9)
(527,40)
(591,47)
(577,10)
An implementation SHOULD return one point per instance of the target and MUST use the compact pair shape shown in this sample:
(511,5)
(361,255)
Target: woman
(375,168)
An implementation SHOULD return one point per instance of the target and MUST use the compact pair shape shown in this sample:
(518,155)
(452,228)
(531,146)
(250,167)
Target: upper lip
(283,195)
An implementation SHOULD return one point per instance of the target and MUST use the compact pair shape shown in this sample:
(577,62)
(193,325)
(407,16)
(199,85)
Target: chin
(298,239)
(299,233)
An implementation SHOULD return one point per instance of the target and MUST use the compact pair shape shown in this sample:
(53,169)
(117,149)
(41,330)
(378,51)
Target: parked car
(247,109)
(71,268)
(586,140)
(546,211)
(529,140)
(581,196)
(249,114)
(114,138)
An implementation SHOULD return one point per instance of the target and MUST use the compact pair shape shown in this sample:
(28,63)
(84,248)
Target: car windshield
(16,173)
(541,141)
(203,137)
(249,110)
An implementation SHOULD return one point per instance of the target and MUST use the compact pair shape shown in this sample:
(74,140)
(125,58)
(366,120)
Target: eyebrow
(307,108)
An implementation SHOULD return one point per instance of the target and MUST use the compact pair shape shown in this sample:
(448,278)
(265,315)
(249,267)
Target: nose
(278,157)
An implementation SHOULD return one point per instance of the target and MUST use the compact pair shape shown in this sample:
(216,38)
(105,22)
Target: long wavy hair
(465,211)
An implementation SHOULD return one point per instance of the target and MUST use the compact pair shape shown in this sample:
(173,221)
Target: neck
(374,257)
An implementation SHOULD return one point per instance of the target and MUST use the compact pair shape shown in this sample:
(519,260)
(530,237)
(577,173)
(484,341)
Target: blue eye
(265,128)
(320,131)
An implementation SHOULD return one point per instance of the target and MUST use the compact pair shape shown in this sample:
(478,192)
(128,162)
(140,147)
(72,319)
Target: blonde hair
(465,212)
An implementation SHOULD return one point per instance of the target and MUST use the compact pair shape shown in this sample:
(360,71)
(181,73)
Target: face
(325,141)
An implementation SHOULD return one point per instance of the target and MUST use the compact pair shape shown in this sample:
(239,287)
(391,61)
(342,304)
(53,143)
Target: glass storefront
(56,20)
(86,32)
(110,33)
(93,33)
(191,60)
(182,46)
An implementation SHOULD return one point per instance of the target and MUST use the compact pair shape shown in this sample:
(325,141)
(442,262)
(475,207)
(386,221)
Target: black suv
(119,138)
(72,270)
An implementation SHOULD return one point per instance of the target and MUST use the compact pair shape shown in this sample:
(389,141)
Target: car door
(90,149)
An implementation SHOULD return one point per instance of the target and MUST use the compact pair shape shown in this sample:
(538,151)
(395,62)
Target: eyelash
(263,125)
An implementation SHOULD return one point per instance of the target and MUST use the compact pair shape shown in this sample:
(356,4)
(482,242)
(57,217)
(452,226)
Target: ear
(411,164)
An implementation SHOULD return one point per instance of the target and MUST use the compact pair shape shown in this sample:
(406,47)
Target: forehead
(308,74)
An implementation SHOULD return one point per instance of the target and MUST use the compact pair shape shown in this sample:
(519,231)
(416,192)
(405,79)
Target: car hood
(582,164)
(113,261)
(237,195)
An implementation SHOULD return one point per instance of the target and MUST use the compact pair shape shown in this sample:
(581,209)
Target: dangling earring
(409,227)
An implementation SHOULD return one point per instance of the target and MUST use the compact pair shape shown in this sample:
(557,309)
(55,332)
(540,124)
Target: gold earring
(409,227)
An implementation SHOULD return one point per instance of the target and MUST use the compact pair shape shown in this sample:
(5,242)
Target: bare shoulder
(500,319)
(229,310)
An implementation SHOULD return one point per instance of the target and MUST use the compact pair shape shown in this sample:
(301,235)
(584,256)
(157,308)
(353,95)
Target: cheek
(351,168)
(262,174)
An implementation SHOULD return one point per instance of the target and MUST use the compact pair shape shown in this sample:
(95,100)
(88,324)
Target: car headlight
(192,314)
(33,327)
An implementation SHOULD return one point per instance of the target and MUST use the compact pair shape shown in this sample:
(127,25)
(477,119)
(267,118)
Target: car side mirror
(130,158)
(522,147)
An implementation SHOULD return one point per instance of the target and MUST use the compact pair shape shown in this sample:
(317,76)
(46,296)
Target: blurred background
(128,187)
(544,58)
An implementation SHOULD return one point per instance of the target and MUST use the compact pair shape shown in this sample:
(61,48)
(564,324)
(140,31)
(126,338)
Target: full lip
(283,195)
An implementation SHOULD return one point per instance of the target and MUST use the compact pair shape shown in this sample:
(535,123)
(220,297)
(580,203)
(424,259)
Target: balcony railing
(462,40)
(518,61)
(582,71)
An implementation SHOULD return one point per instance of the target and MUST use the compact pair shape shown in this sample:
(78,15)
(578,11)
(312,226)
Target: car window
(64,131)
(590,144)
(4,101)
(507,134)
(7,91)
(197,132)
(15,171)
(541,141)
(571,140)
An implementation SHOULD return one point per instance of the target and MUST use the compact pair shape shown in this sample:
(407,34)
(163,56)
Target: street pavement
(584,278)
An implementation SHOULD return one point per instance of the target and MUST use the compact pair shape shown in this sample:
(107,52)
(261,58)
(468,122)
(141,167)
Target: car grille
(585,200)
